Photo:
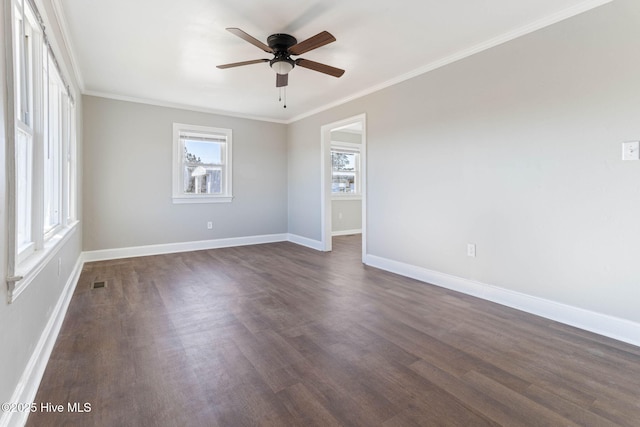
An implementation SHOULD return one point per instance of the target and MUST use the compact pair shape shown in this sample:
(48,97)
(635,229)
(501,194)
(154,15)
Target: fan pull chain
(281,98)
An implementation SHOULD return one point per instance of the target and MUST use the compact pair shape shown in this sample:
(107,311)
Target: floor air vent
(98,284)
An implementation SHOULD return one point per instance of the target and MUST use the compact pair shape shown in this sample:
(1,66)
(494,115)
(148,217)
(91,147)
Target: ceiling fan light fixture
(282,66)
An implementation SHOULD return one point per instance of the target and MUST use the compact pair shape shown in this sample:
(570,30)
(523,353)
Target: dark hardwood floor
(283,335)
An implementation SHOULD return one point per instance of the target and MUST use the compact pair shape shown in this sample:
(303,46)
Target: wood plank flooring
(282,335)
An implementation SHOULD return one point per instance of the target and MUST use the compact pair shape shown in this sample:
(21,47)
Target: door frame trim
(325,174)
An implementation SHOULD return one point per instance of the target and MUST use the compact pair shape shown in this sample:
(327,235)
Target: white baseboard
(32,375)
(602,324)
(346,232)
(305,241)
(168,248)
(609,326)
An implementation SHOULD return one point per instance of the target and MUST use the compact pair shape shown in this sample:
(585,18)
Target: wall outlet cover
(631,150)
(471,250)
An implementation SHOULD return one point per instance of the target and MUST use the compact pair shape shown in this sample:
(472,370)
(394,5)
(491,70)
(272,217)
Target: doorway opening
(343,177)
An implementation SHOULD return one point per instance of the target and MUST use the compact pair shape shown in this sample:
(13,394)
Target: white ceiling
(166,51)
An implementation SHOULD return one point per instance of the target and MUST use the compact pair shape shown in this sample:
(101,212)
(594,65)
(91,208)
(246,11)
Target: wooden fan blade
(323,68)
(314,42)
(282,80)
(239,64)
(246,37)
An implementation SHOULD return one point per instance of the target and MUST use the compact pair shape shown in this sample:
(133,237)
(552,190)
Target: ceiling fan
(283,46)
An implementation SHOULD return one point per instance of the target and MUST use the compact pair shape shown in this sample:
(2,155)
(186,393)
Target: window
(56,139)
(25,50)
(345,170)
(201,164)
(44,180)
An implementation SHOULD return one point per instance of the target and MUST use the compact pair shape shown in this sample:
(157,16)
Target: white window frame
(29,106)
(55,143)
(70,168)
(24,188)
(178,194)
(27,61)
(350,148)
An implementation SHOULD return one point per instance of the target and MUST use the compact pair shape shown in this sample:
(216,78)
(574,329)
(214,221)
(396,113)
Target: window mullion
(39,138)
(23,60)
(64,162)
(71,164)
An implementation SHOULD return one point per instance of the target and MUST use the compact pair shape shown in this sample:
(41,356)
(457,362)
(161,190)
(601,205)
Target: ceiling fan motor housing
(280,43)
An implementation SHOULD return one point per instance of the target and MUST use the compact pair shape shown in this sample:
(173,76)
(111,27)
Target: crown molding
(58,11)
(179,106)
(559,16)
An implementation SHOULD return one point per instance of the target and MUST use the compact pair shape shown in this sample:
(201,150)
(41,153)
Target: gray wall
(516,149)
(346,215)
(23,322)
(127,163)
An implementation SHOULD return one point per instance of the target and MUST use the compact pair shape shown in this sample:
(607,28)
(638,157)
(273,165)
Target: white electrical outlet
(59,266)
(471,250)
(631,150)
(209,225)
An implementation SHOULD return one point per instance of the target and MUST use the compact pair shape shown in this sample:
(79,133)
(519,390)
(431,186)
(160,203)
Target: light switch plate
(631,150)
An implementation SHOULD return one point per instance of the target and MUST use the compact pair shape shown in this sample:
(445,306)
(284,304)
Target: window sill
(29,269)
(202,199)
(346,197)
(25,251)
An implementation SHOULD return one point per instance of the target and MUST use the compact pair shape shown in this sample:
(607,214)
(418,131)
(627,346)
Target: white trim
(487,44)
(337,197)
(169,248)
(325,186)
(29,382)
(347,146)
(9,137)
(207,198)
(567,13)
(58,12)
(305,241)
(177,105)
(602,324)
(346,232)
(31,267)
